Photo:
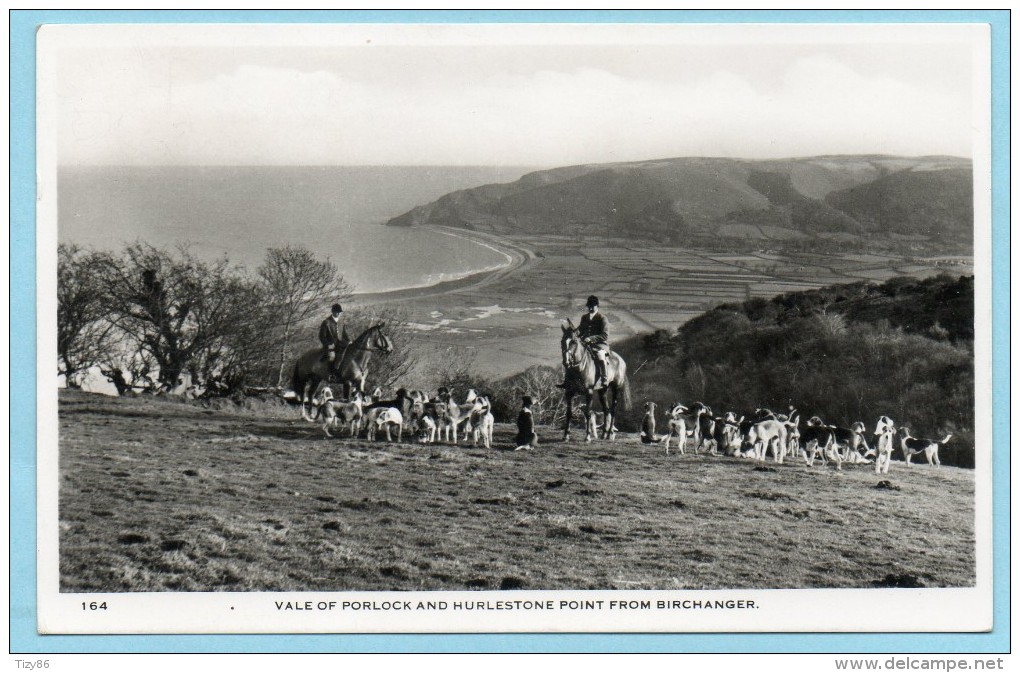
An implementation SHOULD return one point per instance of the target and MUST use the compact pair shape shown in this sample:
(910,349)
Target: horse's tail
(296,383)
(625,388)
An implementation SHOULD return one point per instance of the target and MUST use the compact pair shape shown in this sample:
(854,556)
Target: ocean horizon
(239,212)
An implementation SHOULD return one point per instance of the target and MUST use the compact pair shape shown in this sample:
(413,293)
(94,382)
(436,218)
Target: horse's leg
(306,399)
(587,415)
(302,394)
(569,399)
(610,413)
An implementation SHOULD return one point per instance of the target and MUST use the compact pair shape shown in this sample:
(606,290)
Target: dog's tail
(946,438)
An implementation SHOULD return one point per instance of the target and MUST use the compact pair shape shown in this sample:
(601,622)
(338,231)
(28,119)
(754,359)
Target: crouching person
(527,439)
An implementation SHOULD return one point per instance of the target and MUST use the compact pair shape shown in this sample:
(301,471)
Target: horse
(579,364)
(312,369)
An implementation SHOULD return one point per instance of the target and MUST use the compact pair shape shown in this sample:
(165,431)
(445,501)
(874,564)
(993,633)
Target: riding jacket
(595,329)
(331,334)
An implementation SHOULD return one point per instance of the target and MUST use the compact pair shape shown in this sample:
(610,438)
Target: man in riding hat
(333,337)
(594,333)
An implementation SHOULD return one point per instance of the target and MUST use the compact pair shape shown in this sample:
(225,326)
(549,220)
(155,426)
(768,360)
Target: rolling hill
(926,200)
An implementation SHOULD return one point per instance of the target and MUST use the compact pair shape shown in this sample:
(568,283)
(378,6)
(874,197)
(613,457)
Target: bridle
(571,343)
(381,342)
(377,342)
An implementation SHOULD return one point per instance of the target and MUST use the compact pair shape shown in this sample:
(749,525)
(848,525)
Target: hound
(911,446)
(426,429)
(792,433)
(368,421)
(401,402)
(336,413)
(325,408)
(851,439)
(727,433)
(481,421)
(676,427)
(439,413)
(885,430)
(767,436)
(819,439)
(704,425)
(386,418)
(346,414)
(421,423)
(648,424)
(456,414)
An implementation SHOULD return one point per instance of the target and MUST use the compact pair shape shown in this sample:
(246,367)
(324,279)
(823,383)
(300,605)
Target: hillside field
(511,320)
(162,495)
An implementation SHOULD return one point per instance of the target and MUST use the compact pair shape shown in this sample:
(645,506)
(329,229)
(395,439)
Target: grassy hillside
(914,203)
(920,199)
(159,495)
(845,353)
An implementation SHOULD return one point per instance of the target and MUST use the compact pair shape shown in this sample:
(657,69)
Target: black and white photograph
(426,327)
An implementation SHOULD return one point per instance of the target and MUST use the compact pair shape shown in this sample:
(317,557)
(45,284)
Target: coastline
(516,255)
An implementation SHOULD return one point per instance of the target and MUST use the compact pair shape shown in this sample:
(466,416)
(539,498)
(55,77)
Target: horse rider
(333,337)
(594,333)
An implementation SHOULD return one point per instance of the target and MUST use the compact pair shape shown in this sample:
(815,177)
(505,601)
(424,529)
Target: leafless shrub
(83,333)
(297,287)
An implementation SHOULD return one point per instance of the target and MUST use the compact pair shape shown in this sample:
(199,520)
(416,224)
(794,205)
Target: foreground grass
(164,496)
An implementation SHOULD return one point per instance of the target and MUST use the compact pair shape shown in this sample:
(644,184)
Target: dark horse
(312,368)
(580,379)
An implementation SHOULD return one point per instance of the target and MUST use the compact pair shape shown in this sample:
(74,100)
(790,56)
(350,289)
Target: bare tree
(241,355)
(447,366)
(82,330)
(187,314)
(539,383)
(129,367)
(297,286)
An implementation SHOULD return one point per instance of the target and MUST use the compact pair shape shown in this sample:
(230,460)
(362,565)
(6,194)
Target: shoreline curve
(517,256)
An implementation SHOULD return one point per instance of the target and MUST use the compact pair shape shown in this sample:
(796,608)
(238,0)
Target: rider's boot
(600,375)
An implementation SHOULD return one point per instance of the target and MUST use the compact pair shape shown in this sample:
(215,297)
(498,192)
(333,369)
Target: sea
(239,212)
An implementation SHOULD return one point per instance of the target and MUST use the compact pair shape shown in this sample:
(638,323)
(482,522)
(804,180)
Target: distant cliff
(842,198)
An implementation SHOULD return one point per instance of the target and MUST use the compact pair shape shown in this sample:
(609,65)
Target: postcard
(514,328)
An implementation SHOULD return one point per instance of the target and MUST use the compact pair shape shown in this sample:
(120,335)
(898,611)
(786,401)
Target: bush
(816,351)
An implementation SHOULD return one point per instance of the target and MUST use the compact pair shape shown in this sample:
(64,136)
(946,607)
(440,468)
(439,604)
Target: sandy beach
(517,256)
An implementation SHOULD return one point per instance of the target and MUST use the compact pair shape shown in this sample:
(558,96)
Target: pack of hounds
(440,418)
(781,435)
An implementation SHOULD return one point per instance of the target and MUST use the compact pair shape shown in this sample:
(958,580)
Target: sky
(503,95)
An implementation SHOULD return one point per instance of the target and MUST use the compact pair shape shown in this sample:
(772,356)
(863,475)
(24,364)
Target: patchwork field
(511,320)
(162,495)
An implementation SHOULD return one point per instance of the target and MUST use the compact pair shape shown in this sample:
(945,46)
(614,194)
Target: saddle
(333,366)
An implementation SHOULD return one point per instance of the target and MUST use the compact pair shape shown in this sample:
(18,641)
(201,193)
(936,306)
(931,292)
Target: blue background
(23,636)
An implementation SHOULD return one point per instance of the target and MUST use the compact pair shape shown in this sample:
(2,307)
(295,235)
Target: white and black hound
(912,446)
(885,430)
